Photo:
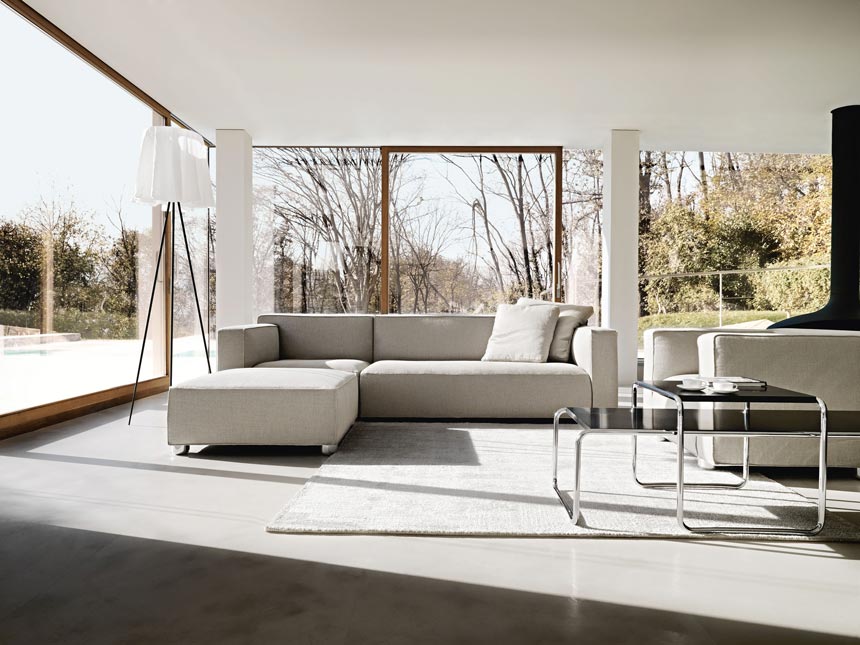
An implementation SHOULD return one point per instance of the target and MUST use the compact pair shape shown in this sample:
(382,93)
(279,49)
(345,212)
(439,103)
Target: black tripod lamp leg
(148,314)
(172,283)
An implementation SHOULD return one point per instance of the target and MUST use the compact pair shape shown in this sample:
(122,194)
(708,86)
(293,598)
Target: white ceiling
(755,75)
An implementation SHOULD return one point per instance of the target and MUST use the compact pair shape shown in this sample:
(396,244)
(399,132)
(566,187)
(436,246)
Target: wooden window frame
(385,152)
(33,418)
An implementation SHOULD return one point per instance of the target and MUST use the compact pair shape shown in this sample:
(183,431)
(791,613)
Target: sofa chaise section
(313,407)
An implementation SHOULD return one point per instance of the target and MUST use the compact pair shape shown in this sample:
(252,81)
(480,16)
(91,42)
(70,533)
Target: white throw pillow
(569,318)
(521,333)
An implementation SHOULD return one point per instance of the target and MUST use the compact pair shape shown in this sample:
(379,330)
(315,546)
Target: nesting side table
(681,422)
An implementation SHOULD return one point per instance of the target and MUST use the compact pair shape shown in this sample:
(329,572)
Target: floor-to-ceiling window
(732,238)
(466,229)
(469,230)
(317,228)
(76,253)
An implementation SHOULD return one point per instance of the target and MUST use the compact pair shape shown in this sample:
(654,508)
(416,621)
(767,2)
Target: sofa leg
(329,448)
(180,450)
(858,473)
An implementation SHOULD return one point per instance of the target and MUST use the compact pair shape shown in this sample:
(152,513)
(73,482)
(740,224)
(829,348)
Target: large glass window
(469,231)
(76,254)
(732,238)
(189,359)
(317,228)
(466,231)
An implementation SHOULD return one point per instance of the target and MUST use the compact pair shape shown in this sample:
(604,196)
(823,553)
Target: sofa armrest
(247,345)
(670,352)
(595,349)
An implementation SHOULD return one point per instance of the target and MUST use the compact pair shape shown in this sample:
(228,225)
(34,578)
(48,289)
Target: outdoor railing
(721,274)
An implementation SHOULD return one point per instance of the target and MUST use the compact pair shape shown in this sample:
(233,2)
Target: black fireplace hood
(843,309)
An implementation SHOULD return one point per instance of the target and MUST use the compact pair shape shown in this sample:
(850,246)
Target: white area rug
(496,480)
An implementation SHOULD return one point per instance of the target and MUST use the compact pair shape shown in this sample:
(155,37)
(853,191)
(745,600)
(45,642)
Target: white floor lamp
(172,170)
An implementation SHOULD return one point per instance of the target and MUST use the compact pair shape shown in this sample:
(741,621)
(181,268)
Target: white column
(620,300)
(234,244)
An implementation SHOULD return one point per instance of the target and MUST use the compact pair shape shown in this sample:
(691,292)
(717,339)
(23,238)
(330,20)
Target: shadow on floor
(72,586)
(183,468)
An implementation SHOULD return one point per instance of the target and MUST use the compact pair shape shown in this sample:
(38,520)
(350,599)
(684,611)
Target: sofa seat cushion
(263,407)
(471,389)
(341,364)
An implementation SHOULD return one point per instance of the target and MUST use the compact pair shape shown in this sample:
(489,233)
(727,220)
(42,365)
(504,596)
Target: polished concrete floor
(105,537)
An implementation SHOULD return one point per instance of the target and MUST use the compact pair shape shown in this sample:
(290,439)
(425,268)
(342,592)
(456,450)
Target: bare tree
(521,264)
(424,237)
(330,196)
(120,264)
(582,204)
(480,224)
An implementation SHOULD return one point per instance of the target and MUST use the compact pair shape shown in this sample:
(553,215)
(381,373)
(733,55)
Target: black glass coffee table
(673,390)
(682,422)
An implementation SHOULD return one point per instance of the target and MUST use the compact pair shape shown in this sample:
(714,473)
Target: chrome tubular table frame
(573,510)
(745,462)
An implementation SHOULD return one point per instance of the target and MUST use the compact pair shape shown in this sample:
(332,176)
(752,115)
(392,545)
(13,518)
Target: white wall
(234,226)
(621,246)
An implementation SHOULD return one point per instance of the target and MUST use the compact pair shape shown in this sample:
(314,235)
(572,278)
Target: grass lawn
(704,319)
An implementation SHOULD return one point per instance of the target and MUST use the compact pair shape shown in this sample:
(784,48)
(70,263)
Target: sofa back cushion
(321,336)
(569,318)
(818,362)
(522,333)
(440,337)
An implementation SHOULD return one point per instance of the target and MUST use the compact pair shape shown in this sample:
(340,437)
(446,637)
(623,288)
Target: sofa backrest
(673,351)
(439,337)
(323,336)
(820,362)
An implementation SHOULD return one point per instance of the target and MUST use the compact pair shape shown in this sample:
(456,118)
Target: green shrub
(89,324)
(792,291)
(18,318)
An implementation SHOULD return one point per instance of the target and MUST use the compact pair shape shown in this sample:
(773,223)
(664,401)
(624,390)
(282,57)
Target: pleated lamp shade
(173,168)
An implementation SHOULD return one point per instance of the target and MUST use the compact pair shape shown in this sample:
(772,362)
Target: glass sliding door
(76,253)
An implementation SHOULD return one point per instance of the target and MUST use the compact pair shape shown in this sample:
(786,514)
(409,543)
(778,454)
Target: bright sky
(66,128)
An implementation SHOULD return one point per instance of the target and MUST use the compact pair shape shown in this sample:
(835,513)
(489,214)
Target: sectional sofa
(303,379)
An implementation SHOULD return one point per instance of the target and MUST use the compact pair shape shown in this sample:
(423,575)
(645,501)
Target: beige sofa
(820,362)
(406,366)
